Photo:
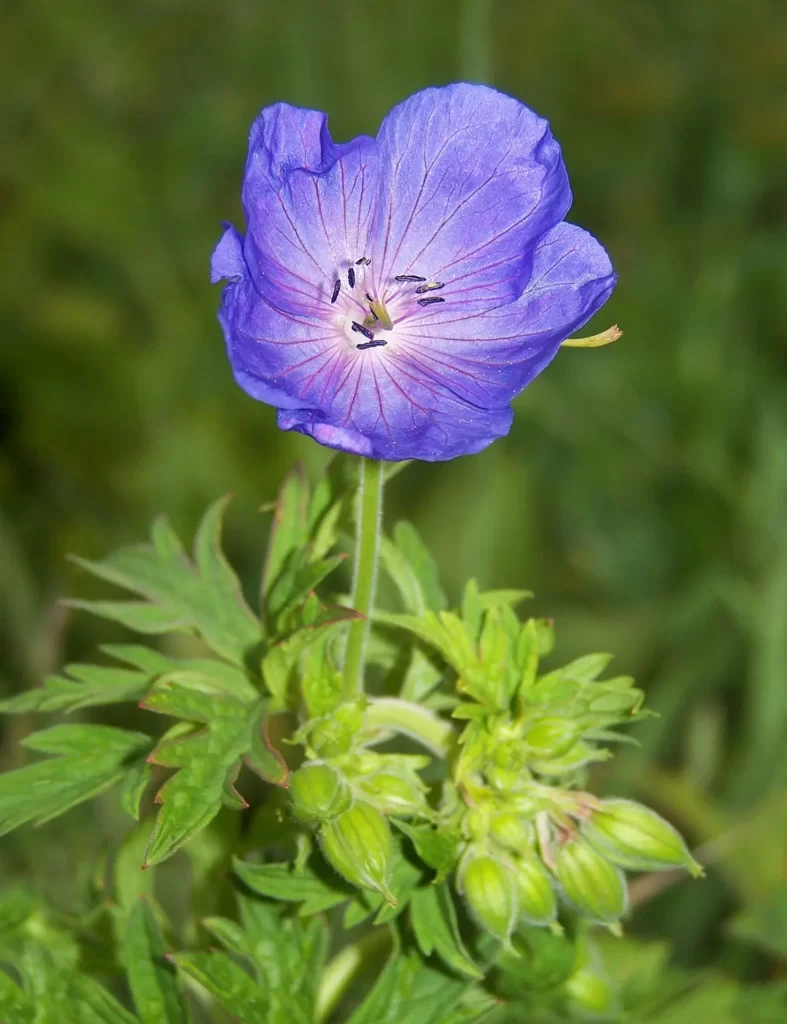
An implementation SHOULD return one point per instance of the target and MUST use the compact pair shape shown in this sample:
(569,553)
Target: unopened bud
(318,792)
(358,844)
(511,832)
(637,838)
(552,737)
(537,899)
(591,994)
(394,794)
(331,739)
(595,886)
(488,888)
(476,824)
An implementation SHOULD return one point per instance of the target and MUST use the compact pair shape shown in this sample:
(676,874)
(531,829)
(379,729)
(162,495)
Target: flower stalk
(370,508)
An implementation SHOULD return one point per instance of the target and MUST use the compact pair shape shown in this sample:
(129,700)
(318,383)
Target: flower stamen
(408,278)
(374,343)
(430,301)
(351,278)
(360,329)
(433,286)
(364,261)
(336,288)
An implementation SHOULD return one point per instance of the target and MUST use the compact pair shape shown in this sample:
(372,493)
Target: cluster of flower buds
(518,864)
(346,791)
(527,837)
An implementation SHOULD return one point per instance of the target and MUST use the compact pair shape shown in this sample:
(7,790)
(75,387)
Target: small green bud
(475,825)
(488,887)
(537,899)
(635,837)
(552,737)
(595,887)
(335,734)
(393,793)
(318,792)
(358,844)
(591,994)
(511,832)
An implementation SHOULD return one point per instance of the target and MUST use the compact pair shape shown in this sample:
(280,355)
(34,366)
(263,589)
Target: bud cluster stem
(367,542)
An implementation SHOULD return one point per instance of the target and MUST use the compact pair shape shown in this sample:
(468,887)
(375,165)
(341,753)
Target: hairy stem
(370,507)
(391,714)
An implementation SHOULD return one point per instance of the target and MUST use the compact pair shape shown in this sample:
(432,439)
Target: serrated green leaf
(262,757)
(408,990)
(421,677)
(135,615)
(299,580)
(88,686)
(230,935)
(435,848)
(97,740)
(94,1005)
(216,675)
(280,666)
(433,917)
(132,789)
(229,983)
(193,705)
(204,597)
(526,657)
(208,763)
(289,531)
(281,882)
(587,668)
(423,566)
(93,759)
(427,627)
(288,955)
(153,981)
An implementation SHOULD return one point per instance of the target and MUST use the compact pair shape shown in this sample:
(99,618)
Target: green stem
(420,724)
(370,507)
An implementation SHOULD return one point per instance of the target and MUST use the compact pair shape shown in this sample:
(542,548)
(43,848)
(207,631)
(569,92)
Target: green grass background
(642,492)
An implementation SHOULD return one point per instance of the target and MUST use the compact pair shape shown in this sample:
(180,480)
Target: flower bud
(358,844)
(488,887)
(330,738)
(552,737)
(637,838)
(394,794)
(511,832)
(475,824)
(537,900)
(591,994)
(595,887)
(318,792)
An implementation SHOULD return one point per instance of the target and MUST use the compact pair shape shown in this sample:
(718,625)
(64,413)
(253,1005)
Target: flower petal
(308,204)
(276,356)
(489,358)
(470,180)
(439,389)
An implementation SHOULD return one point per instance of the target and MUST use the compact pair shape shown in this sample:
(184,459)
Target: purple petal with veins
(462,194)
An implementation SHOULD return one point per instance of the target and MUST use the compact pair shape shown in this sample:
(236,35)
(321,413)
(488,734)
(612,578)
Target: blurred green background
(642,492)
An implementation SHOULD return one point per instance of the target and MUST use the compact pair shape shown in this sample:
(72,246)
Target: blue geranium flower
(392,295)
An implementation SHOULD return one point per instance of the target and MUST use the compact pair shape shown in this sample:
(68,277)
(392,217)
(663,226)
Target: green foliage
(157,996)
(201,597)
(88,760)
(483,862)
